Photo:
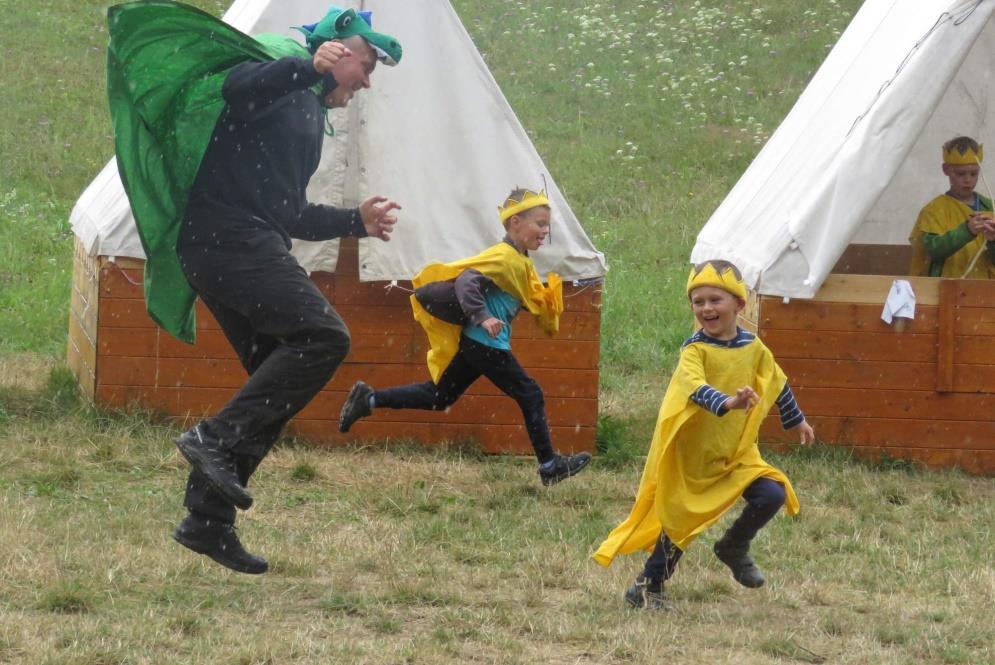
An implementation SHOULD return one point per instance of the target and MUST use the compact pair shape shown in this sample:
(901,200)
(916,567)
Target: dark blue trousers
(287,336)
(764,497)
(472,361)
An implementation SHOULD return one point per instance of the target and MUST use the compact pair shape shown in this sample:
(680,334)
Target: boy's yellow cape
(699,464)
(939,216)
(512,272)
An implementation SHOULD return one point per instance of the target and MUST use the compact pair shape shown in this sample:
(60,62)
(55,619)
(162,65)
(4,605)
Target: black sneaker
(648,594)
(219,541)
(205,454)
(564,466)
(735,554)
(356,406)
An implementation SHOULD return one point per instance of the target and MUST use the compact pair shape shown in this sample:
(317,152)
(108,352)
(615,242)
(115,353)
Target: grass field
(645,113)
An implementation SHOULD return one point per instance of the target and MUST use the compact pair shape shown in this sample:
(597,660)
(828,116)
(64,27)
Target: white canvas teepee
(434,134)
(859,154)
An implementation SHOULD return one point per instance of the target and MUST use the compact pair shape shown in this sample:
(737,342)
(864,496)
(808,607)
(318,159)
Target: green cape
(166,63)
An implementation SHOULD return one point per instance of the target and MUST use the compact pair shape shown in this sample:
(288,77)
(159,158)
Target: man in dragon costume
(217,135)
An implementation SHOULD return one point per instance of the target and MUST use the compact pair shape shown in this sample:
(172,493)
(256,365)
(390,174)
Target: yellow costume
(939,216)
(512,272)
(699,464)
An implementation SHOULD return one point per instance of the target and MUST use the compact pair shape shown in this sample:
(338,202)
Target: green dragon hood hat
(340,23)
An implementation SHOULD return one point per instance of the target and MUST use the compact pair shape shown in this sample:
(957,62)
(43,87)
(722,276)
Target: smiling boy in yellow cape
(704,453)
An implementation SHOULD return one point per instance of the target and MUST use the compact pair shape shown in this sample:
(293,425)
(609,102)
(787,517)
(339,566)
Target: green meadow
(646,113)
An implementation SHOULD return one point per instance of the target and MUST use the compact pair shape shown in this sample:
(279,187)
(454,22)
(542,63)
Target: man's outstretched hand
(375,213)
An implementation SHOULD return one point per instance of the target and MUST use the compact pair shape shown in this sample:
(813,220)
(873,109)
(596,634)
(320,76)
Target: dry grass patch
(396,554)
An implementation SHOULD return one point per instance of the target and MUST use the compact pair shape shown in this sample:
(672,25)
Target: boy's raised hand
(746,397)
(806,434)
(492,326)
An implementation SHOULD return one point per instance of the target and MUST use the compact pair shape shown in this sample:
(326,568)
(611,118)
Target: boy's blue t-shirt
(502,306)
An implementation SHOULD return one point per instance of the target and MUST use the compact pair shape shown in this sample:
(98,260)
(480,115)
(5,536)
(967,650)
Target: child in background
(704,454)
(466,309)
(954,228)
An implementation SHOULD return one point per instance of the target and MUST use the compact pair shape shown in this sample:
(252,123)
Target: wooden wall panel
(872,289)
(491,439)
(842,317)
(857,374)
(874,389)
(81,346)
(834,345)
(141,366)
(210,372)
(874,403)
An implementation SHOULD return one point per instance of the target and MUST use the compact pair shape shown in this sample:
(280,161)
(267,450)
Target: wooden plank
(124,262)
(974,292)
(902,432)
(946,335)
(118,283)
(362,320)
(904,404)
(861,374)
(974,378)
(889,346)
(217,373)
(372,349)
(978,462)
(844,317)
(974,321)
(81,357)
(868,259)
(82,345)
(84,308)
(469,410)
(155,342)
(873,289)
(974,349)
(491,438)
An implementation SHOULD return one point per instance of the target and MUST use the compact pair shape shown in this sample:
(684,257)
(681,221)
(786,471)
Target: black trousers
(472,361)
(764,497)
(286,334)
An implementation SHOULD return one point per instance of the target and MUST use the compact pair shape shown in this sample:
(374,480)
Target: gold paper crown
(529,200)
(955,156)
(727,279)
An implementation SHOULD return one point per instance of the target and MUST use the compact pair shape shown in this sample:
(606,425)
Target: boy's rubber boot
(564,466)
(219,541)
(648,594)
(735,554)
(205,453)
(356,405)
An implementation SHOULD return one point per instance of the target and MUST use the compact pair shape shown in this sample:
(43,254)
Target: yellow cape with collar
(939,216)
(512,272)
(699,464)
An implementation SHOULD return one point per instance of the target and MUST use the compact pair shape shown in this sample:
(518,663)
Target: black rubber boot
(204,452)
(648,594)
(356,406)
(564,466)
(735,554)
(219,541)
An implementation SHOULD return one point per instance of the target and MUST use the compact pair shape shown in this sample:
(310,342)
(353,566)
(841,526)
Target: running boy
(951,233)
(704,453)
(466,308)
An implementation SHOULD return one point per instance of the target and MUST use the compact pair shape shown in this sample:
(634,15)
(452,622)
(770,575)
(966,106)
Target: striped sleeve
(709,398)
(791,413)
